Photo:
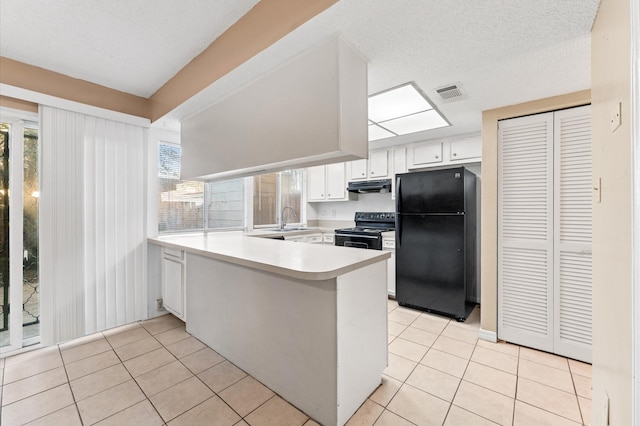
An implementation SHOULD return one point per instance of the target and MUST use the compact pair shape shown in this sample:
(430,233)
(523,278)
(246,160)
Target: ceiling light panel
(416,123)
(398,102)
(377,132)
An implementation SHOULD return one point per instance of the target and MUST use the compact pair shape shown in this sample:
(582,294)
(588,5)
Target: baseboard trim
(487,335)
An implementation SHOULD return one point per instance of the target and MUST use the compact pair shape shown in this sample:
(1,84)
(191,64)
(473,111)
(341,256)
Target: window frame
(302,217)
(205,198)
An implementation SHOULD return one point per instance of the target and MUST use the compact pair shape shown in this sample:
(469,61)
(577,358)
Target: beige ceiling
(501,51)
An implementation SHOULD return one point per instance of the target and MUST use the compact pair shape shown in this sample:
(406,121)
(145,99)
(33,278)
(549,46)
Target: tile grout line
(45,390)
(130,375)
(515,394)
(64,365)
(459,384)
(404,382)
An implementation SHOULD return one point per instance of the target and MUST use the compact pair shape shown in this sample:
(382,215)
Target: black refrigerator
(436,241)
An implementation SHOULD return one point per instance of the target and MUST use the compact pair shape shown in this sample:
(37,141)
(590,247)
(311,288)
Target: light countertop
(297,260)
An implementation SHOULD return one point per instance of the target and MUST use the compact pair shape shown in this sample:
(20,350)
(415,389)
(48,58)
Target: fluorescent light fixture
(394,103)
(402,110)
(416,122)
(376,132)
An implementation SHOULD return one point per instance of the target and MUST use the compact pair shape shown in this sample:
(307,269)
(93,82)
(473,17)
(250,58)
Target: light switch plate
(597,190)
(615,119)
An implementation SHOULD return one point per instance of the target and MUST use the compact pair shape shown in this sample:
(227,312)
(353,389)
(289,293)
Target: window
(275,192)
(192,206)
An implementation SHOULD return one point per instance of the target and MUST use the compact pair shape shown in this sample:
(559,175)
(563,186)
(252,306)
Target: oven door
(371,242)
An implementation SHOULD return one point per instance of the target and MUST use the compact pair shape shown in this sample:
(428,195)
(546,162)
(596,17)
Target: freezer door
(430,263)
(437,191)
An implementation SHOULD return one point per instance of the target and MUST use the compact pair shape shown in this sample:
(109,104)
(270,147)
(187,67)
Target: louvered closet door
(525,229)
(572,233)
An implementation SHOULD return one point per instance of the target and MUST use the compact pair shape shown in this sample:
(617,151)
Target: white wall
(344,210)
(612,217)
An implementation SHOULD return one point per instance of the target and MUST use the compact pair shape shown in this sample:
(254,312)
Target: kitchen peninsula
(307,320)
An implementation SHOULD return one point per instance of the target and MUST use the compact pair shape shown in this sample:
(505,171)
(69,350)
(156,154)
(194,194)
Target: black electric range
(367,233)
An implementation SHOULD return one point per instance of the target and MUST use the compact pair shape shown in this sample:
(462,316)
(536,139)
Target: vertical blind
(92,233)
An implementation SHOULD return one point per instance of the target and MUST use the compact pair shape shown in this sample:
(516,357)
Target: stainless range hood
(381,186)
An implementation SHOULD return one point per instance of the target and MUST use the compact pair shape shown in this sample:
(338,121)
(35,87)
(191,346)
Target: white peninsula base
(320,344)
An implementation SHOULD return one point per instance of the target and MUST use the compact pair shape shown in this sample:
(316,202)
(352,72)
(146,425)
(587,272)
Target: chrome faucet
(282,223)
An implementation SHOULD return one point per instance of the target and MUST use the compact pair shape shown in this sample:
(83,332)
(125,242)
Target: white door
(358,169)
(19,238)
(572,233)
(525,231)
(335,181)
(378,164)
(173,288)
(544,232)
(315,183)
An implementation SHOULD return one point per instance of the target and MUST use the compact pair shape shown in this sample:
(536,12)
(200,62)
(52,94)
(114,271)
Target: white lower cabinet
(173,282)
(328,238)
(313,238)
(389,244)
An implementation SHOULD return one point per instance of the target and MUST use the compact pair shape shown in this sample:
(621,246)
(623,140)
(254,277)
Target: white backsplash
(345,210)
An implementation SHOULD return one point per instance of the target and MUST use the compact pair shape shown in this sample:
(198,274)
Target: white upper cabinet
(376,167)
(399,160)
(358,170)
(316,183)
(425,154)
(465,149)
(327,183)
(336,184)
(378,164)
(399,165)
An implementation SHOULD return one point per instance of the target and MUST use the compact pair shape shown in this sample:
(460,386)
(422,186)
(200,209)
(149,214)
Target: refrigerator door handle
(398,230)
(398,194)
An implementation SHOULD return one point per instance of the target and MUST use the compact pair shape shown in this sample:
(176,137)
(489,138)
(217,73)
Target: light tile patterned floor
(155,373)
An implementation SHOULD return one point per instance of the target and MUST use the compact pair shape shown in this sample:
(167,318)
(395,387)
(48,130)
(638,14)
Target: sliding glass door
(19,193)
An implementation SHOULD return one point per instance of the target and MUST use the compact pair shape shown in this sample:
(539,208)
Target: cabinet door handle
(455,155)
(437,156)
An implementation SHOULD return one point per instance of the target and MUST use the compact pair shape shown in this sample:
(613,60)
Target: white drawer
(389,244)
(174,253)
(328,239)
(314,239)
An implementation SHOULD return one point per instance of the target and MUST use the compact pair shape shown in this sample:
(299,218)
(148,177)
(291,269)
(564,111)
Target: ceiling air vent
(451,93)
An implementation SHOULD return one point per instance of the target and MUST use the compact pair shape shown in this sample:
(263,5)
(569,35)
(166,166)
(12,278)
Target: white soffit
(133,46)
(502,52)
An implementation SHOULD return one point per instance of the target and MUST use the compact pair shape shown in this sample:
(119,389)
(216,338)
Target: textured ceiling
(130,45)
(501,51)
